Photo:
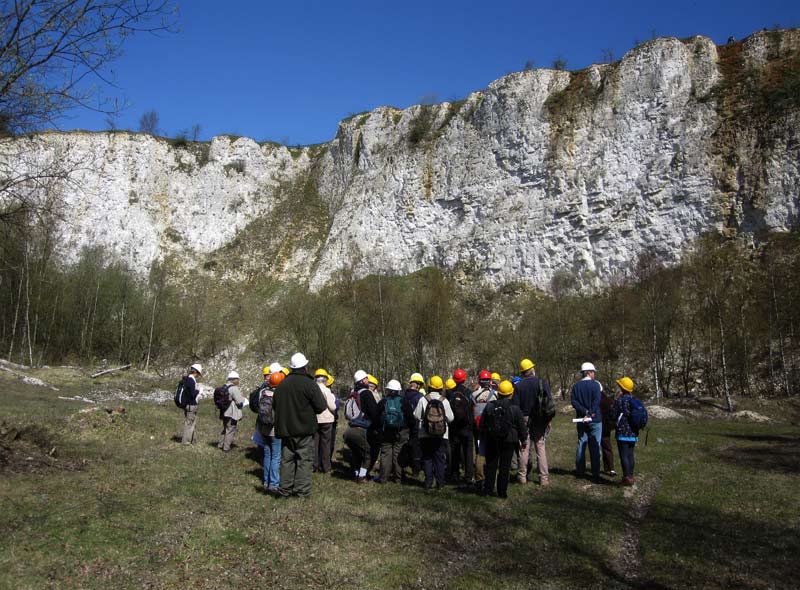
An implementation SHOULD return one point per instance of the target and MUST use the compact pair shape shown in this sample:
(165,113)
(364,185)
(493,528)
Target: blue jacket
(621,413)
(586,395)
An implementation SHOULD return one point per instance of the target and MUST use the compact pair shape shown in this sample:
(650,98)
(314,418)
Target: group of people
(483,435)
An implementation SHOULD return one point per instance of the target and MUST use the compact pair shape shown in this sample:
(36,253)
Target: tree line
(723,322)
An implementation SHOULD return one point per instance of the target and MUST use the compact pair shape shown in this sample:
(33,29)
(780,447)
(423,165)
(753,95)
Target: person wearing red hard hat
(462,440)
(481,397)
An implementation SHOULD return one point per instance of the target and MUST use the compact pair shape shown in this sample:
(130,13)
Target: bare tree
(148,122)
(559,63)
(195,132)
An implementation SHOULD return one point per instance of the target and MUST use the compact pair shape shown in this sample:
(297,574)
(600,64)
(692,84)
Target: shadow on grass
(779,453)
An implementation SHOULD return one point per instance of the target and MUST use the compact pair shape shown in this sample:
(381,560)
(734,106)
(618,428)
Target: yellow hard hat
(450,384)
(372,380)
(626,383)
(330,380)
(526,364)
(266,370)
(416,378)
(321,373)
(496,377)
(285,370)
(435,382)
(505,388)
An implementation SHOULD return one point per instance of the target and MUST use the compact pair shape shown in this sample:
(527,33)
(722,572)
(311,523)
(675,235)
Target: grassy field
(97,500)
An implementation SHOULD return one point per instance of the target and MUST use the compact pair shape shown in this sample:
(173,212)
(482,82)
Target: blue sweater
(586,399)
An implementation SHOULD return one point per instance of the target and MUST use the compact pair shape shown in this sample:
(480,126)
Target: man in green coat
(296,403)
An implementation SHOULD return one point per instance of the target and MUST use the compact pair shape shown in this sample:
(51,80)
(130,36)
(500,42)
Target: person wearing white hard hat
(186,398)
(230,404)
(296,402)
(361,412)
(586,395)
(395,416)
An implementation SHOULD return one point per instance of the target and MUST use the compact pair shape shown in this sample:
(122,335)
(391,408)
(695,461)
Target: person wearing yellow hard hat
(433,413)
(412,395)
(502,432)
(630,416)
(586,395)
(323,437)
(532,395)
(361,412)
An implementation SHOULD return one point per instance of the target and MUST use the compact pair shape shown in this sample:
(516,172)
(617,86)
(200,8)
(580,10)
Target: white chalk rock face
(543,171)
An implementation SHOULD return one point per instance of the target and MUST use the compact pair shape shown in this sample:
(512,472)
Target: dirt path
(639,499)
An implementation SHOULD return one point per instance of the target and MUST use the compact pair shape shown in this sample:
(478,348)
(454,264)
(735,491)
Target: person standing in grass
(395,416)
(627,437)
(502,432)
(361,412)
(297,402)
(586,401)
(433,414)
(190,411)
(606,404)
(412,395)
(323,437)
(481,398)
(232,414)
(265,431)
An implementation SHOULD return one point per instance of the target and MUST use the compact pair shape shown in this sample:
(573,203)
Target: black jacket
(517,432)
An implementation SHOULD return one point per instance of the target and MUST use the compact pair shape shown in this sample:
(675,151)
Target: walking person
(323,437)
(433,413)
(297,402)
(395,416)
(585,399)
(502,432)
(606,405)
(190,402)
(627,434)
(230,411)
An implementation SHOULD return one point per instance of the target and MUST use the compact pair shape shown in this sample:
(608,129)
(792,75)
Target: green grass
(137,510)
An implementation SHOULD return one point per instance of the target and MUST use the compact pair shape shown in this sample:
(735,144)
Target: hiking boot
(612,473)
(626,481)
(544,482)
(522,480)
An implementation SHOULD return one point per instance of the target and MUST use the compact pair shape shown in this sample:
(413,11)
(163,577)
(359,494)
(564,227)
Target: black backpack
(222,398)
(266,414)
(182,394)
(498,421)
(545,407)
(253,399)
(461,409)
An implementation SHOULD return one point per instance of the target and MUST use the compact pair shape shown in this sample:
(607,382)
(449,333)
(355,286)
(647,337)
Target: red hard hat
(459,375)
(484,375)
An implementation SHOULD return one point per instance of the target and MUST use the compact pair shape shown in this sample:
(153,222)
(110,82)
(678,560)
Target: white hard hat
(360,375)
(233,375)
(394,385)
(275,368)
(197,367)
(587,367)
(298,361)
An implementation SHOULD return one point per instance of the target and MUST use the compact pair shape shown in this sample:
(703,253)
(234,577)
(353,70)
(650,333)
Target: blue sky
(289,71)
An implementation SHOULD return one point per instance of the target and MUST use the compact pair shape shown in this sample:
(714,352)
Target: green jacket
(296,403)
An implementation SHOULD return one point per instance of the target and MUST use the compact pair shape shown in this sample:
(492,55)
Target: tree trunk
(150,339)
(16,318)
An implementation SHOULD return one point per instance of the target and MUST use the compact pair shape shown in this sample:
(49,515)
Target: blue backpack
(638,417)
(393,413)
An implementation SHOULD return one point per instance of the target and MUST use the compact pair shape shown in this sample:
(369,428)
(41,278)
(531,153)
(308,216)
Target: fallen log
(114,370)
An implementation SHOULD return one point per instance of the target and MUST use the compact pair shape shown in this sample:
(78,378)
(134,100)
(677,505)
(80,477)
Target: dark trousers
(608,452)
(355,438)
(626,458)
(498,454)
(391,449)
(462,453)
(434,459)
(374,441)
(296,459)
(416,454)
(323,441)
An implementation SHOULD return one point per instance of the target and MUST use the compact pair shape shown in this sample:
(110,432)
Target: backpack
(461,409)
(546,407)
(434,419)
(253,399)
(266,414)
(638,417)
(481,405)
(182,394)
(498,421)
(393,413)
(222,399)
(352,407)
